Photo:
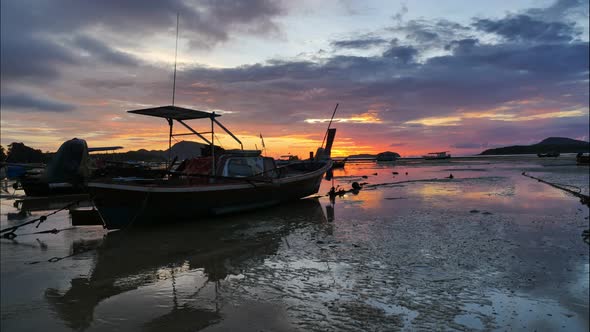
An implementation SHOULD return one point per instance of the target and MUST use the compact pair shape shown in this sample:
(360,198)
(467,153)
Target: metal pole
(170,122)
(213,143)
(175,56)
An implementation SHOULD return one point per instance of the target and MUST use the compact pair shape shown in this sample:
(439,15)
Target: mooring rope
(57,259)
(50,231)
(584,199)
(10,231)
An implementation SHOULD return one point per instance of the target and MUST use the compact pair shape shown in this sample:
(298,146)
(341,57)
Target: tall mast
(175,56)
(170,122)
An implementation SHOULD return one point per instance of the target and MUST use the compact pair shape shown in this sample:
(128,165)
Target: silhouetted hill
(373,156)
(186,149)
(551,144)
(363,155)
(182,150)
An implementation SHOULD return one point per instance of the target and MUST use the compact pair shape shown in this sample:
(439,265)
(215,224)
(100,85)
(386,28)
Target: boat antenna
(175,56)
(329,124)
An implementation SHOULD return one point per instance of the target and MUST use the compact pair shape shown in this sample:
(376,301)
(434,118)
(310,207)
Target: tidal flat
(414,250)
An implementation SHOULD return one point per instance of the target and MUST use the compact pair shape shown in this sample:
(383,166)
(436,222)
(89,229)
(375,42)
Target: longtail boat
(218,183)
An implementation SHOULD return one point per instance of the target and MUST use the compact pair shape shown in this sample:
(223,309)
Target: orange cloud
(368,117)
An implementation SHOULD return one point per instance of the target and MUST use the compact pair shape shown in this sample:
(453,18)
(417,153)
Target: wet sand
(489,249)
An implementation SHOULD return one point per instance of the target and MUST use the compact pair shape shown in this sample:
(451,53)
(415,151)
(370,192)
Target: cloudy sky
(409,76)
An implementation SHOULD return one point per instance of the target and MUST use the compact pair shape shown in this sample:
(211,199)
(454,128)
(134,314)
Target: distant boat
(437,155)
(548,154)
(66,173)
(234,181)
(583,159)
(387,156)
(339,163)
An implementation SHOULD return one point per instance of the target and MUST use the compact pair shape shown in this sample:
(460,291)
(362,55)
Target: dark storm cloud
(475,74)
(526,28)
(403,54)
(430,33)
(24,102)
(104,53)
(31,58)
(359,43)
(30,30)
(562,10)
(463,46)
(108,83)
(207,21)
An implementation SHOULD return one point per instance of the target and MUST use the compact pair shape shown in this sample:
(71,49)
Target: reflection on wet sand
(412,250)
(126,261)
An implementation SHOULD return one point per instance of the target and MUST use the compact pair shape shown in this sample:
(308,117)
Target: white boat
(437,155)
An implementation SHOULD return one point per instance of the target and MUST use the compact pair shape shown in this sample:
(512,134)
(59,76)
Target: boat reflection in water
(217,249)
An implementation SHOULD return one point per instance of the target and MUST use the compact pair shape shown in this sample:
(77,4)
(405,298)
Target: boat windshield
(288,157)
(243,166)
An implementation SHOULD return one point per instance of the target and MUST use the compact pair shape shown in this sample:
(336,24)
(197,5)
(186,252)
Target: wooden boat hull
(42,188)
(125,205)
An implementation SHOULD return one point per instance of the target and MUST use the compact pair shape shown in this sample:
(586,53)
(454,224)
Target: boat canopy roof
(175,112)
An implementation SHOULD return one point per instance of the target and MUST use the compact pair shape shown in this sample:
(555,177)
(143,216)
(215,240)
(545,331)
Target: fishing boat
(583,159)
(218,183)
(548,154)
(437,155)
(339,163)
(67,171)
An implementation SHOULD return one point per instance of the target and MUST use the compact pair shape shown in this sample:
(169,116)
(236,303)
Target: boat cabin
(245,163)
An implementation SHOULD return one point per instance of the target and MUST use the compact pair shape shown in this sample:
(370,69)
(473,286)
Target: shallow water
(489,249)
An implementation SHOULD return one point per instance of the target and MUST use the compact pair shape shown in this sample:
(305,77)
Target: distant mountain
(363,155)
(182,150)
(551,144)
(186,149)
(369,156)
